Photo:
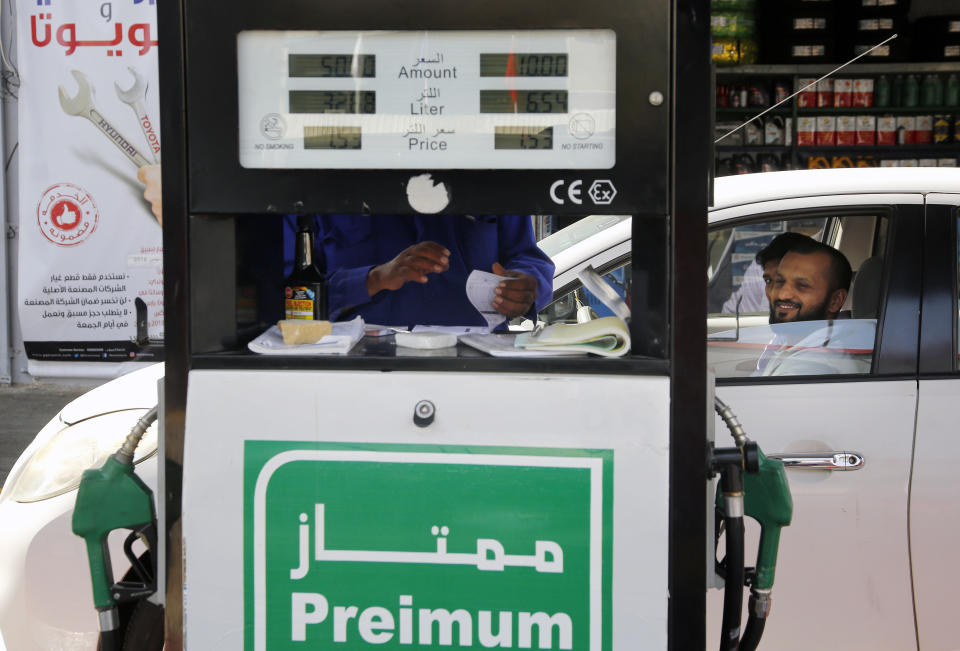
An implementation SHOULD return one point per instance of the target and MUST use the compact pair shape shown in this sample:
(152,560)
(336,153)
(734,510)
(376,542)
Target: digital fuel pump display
(485,99)
(523,138)
(523,101)
(333,101)
(531,64)
(331,138)
(332,65)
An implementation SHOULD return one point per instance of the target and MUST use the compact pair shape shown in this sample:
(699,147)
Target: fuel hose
(125,453)
(732,482)
(732,487)
(758,607)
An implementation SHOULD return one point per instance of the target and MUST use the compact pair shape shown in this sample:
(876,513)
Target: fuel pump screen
(486,99)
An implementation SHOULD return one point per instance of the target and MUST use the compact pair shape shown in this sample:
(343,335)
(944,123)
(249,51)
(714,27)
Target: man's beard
(816,313)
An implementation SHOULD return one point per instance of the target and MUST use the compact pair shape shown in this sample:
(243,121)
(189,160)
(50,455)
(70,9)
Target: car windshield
(578,232)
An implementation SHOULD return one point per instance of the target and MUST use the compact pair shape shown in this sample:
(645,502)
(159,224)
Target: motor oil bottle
(305,289)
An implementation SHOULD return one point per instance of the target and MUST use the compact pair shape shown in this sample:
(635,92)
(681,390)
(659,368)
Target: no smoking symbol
(602,192)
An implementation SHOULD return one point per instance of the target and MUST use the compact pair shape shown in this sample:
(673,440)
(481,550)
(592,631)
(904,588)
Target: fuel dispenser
(395,498)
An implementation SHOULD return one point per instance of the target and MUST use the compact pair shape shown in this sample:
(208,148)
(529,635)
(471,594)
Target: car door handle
(821,460)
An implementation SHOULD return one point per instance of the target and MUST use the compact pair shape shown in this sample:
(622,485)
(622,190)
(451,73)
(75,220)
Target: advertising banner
(366,546)
(90,269)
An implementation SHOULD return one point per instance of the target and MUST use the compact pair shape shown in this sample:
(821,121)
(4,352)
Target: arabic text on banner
(90,260)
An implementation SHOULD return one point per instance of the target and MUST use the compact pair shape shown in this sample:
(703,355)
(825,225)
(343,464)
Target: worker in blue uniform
(412,270)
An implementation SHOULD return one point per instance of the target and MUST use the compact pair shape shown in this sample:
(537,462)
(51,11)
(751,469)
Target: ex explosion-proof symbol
(602,192)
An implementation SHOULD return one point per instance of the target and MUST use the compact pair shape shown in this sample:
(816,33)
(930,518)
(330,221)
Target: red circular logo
(67,214)
(288,292)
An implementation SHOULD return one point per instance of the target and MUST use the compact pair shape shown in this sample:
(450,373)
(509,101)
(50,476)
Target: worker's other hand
(411,265)
(515,296)
(149,175)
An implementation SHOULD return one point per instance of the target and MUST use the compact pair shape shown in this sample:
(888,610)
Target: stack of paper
(607,336)
(343,337)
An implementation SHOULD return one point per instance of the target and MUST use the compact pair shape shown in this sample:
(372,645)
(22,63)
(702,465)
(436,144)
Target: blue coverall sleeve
(347,289)
(518,250)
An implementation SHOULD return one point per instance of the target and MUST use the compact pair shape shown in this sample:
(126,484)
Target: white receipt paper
(480,286)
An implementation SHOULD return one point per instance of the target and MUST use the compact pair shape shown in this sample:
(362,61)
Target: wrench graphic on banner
(135,97)
(82,105)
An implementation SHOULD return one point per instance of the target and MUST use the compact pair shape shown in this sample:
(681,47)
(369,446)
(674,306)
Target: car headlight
(55,468)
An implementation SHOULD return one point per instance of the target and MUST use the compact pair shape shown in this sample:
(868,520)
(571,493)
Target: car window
(579,303)
(811,330)
(735,280)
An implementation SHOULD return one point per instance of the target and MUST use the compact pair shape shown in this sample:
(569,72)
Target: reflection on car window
(825,301)
(580,303)
(822,347)
(578,232)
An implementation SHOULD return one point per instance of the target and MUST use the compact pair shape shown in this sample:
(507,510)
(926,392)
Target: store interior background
(898,106)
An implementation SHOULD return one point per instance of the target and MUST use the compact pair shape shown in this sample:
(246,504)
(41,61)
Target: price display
(331,137)
(523,138)
(483,99)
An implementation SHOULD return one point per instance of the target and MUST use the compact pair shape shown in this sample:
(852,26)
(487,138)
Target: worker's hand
(149,175)
(515,296)
(411,265)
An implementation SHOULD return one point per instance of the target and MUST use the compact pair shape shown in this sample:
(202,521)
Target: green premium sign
(357,547)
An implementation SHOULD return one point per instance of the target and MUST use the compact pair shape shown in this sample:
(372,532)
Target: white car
(866,412)
(863,414)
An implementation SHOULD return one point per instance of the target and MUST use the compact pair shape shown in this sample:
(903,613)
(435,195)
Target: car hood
(131,391)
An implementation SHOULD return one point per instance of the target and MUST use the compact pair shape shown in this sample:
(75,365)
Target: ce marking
(601,192)
(573,191)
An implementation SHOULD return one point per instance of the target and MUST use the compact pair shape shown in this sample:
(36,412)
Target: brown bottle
(305,289)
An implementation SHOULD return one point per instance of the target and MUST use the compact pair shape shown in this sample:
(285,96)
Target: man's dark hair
(840,271)
(778,247)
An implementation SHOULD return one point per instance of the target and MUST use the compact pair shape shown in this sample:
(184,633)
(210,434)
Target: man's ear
(836,301)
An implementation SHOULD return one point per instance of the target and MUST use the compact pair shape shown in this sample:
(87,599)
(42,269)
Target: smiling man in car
(811,283)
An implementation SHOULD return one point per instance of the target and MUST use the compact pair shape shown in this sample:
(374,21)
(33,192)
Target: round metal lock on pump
(423,413)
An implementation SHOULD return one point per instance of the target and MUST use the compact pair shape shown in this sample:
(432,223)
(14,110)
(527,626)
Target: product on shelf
(734,51)
(842,93)
(806,131)
(808,91)
(924,134)
(951,91)
(866,130)
(826,130)
(775,131)
(906,130)
(863,93)
(733,32)
(824,93)
(881,92)
(846,130)
(886,130)
(734,139)
(931,90)
(941,129)
(753,133)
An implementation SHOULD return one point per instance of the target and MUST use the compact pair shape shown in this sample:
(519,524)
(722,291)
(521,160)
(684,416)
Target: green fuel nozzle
(113,497)
(767,500)
(752,485)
